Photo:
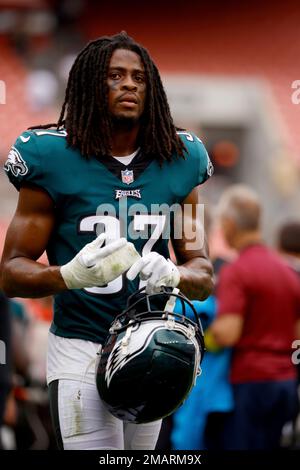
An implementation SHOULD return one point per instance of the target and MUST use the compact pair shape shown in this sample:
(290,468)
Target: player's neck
(124,141)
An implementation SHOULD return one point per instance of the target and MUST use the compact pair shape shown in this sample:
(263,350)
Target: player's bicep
(31,226)
(189,239)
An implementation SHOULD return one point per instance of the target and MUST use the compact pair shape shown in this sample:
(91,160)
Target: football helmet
(151,358)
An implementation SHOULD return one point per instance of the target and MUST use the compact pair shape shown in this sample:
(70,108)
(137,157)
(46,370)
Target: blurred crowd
(24,412)
(247,397)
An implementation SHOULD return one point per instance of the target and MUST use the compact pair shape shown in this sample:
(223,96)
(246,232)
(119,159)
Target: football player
(113,148)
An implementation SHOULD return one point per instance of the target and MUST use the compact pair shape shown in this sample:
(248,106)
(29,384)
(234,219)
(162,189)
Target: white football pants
(82,422)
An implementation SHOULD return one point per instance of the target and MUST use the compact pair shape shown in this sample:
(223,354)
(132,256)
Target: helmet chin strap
(190,330)
(170,305)
(169,309)
(126,338)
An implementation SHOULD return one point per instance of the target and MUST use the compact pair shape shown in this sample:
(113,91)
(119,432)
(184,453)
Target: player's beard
(124,122)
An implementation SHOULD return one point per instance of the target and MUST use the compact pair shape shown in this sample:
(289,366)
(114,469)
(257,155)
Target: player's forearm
(22,277)
(196,278)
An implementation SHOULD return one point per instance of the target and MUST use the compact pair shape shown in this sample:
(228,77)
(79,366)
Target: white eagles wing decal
(15,163)
(138,342)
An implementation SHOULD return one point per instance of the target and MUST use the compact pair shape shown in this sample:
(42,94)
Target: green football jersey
(101,194)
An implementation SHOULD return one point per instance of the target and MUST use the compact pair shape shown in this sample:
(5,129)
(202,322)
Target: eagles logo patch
(127,193)
(15,163)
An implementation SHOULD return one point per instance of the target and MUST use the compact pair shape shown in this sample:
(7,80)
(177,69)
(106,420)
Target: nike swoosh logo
(24,139)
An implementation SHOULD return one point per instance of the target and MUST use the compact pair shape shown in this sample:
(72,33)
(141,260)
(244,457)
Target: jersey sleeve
(25,164)
(204,169)
(201,165)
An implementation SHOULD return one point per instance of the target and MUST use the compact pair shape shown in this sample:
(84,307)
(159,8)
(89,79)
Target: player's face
(126,85)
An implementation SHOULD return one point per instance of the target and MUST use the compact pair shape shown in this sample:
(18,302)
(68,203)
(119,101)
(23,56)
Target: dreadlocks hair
(85,113)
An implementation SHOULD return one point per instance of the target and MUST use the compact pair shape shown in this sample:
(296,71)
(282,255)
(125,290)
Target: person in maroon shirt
(288,243)
(258,314)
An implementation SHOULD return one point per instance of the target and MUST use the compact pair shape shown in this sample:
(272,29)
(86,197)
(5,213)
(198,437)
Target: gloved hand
(96,266)
(156,270)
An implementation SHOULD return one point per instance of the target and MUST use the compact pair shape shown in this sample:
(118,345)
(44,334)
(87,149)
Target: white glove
(156,270)
(96,266)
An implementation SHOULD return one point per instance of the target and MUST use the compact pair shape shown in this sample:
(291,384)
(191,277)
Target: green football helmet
(151,358)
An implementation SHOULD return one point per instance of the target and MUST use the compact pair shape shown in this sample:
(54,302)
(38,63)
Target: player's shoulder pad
(28,148)
(25,161)
(40,134)
(49,141)
(51,132)
(196,151)
(40,137)
(16,164)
